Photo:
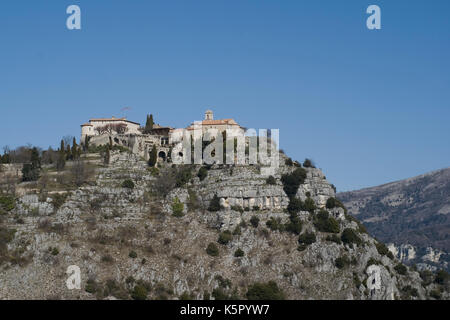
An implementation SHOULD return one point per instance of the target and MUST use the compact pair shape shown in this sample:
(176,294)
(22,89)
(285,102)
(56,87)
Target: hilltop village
(141,140)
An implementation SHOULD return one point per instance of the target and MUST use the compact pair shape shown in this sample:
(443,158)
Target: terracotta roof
(223,121)
(230,122)
(86,125)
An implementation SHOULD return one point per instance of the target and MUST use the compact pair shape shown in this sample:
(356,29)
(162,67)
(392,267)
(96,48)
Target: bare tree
(8,183)
(80,172)
(68,140)
(164,183)
(111,128)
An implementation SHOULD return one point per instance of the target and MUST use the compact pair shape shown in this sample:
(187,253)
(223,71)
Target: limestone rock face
(121,236)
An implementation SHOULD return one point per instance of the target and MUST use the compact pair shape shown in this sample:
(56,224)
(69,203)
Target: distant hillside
(413,211)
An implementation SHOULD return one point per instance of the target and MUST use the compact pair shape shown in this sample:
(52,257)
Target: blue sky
(368,106)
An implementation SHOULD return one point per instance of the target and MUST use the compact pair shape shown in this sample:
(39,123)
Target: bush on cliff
(128,184)
(214,204)
(265,291)
(212,250)
(292,181)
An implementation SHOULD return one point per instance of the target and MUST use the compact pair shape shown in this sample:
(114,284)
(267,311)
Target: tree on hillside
(153,157)
(107,156)
(86,143)
(30,171)
(35,158)
(61,161)
(149,124)
(68,152)
(6,156)
(75,151)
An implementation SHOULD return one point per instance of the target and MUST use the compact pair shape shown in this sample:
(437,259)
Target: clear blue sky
(368,107)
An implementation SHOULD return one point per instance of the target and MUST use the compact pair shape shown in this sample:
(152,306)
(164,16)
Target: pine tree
(149,124)
(35,159)
(214,204)
(68,153)
(74,149)
(86,143)
(61,161)
(153,157)
(107,156)
(30,171)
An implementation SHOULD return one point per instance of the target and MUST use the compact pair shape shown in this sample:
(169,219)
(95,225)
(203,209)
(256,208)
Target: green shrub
(254,221)
(309,205)
(265,291)
(289,162)
(349,236)
(139,292)
(212,250)
(177,207)
(214,204)
(220,294)
(291,182)
(271,180)
(237,208)
(295,205)
(107,258)
(183,176)
(294,225)
(408,292)
(324,223)
(442,277)
(427,277)
(239,253)
(91,286)
(308,163)
(132,254)
(186,296)
(373,261)
(333,203)
(7,203)
(129,184)
(54,251)
(334,238)
(29,173)
(6,236)
(192,202)
(58,199)
(225,237)
(356,281)
(202,173)
(274,224)
(307,238)
(401,269)
(436,294)
(237,230)
(342,262)
(381,248)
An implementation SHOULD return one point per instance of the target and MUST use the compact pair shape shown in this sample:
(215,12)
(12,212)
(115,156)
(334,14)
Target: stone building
(97,127)
(232,128)
(122,132)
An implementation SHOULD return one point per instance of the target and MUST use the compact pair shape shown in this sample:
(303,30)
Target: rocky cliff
(170,233)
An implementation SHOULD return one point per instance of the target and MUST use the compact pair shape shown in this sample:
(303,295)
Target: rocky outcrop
(120,238)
